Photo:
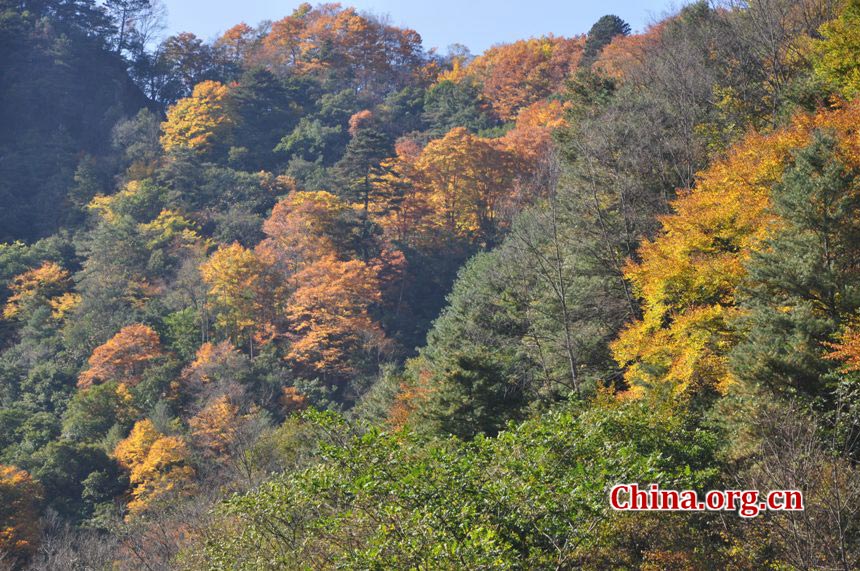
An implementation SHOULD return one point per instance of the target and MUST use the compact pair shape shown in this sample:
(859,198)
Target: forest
(313,296)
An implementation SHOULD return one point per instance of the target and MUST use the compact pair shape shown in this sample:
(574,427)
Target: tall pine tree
(804,282)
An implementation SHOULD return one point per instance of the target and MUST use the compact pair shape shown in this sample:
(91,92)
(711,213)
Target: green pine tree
(804,281)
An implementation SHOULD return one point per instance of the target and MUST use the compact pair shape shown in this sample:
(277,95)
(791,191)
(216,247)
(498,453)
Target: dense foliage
(311,296)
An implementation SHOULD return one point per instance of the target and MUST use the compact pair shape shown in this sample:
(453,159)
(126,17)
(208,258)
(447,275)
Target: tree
(801,283)
(601,35)
(123,358)
(20,498)
(516,499)
(449,104)
(45,285)
(475,371)
(242,293)
(215,363)
(624,55)
(93,413)
(368,145)
(837,53)
(776,35)
(263,109)
(125,13)
(342,47)
(466,179)
(238,42)
(76,477)
(331,331)
(216,426)
(688,276)
(137,139)
(847,349)
(200,122)
(470,395)
(516,75)
(182,62)
(282,47)
(157,465)
(530,139)
(307,226)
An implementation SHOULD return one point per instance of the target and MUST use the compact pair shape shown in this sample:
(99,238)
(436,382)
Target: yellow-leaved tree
(197,122)
(687,276)
(158,465)
(244,294)
(47,284)
(837,55)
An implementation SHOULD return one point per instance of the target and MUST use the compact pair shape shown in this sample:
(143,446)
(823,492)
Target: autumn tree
(215,363)
(623,56)
(689,275)
(238,42)
(332,330)
(846,348)
(836,55)
(801,283)
(307,226)
(216,426)
(20,497)
(530,139)
(516,75)
(123,358)
(283,46)
(243,295)
(467,179)
(46,285)
(157,465)
(198,123)
(341,46)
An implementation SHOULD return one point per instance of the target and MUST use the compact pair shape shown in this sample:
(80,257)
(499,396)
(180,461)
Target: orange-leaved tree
(304,227)
(333,42)
(20,496)
(124,357)
(216,426)
(847,348)
(403,209)
(625,54)
(516,75)
(531,137)
(466,179)
(331,328)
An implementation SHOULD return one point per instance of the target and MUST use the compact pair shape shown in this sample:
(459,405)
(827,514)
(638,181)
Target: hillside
(310,296)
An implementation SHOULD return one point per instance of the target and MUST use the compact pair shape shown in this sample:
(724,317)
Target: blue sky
(476,23)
